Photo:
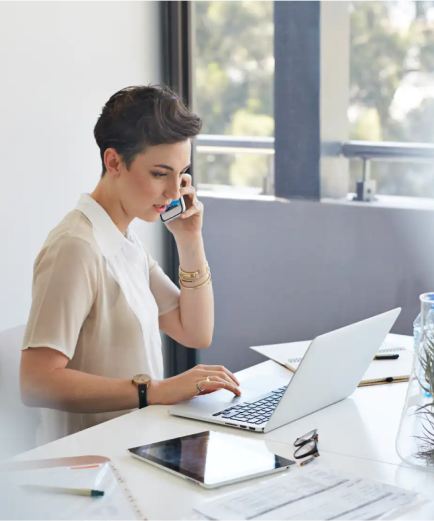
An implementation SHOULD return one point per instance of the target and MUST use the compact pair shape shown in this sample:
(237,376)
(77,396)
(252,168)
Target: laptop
(330,371)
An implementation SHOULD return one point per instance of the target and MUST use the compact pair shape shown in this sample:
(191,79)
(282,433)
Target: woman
(92,347)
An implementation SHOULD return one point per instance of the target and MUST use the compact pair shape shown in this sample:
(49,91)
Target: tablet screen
(213,457)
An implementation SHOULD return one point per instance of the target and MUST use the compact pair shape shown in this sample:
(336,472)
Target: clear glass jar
(415,440)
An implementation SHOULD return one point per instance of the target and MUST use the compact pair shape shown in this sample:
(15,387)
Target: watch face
(142,379)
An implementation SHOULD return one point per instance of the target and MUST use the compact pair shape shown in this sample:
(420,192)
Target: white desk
(356,435)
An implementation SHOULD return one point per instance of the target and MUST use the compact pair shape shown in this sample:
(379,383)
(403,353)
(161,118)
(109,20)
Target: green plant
(426,411)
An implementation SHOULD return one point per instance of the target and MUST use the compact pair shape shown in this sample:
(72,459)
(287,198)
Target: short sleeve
(165,292)
(65,278)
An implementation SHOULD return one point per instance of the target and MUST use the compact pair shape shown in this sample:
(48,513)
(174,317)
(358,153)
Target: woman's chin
(150,217)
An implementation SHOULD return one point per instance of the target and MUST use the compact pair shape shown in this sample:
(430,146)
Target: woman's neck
(108,200)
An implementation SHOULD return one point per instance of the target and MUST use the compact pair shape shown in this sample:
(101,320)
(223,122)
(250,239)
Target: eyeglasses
(307,445)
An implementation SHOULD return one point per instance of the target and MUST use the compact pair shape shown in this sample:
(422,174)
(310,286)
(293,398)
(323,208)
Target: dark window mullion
(176,25)
(297,99)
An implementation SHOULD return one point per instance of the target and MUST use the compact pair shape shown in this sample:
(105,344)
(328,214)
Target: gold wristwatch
(142,382)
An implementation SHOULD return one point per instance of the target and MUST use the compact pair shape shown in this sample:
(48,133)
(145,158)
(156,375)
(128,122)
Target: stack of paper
(313,492)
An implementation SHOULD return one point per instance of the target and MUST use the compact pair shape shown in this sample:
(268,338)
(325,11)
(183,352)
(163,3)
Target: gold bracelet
(190,274)
(190,281)
(196,280)
(208,281)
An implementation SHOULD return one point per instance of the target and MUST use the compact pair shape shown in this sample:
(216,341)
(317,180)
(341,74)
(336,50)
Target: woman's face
(153,179)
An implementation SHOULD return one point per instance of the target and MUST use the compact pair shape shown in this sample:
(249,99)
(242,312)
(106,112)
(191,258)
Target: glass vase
(415,440)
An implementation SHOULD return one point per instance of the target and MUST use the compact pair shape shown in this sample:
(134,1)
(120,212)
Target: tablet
(213,459)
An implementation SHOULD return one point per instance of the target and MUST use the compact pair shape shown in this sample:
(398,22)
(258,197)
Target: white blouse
(96,298)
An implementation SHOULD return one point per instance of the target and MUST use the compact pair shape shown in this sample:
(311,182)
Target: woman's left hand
(190,221)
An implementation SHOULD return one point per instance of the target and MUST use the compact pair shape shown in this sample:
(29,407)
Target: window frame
(177,74)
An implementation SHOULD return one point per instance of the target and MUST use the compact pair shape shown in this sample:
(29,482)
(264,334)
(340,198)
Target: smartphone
(173,211)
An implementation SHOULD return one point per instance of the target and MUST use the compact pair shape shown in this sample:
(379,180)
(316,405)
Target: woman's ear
(112,161)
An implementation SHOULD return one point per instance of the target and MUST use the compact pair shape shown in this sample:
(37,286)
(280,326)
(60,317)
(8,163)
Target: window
(233,74)
(392,88)
(389,81)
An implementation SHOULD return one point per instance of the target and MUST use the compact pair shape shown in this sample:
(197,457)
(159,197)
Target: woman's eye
(158,175)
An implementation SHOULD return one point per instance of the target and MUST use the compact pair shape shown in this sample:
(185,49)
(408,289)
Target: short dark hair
(138,117)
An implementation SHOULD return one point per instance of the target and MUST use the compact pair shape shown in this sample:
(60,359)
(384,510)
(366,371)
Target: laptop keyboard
(256,412)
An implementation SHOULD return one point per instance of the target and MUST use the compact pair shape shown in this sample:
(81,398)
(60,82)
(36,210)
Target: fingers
(187,190)
(185,180)
(193,205)
(218,368)
(218,374)
(195,209)
(215,383)
(209,391)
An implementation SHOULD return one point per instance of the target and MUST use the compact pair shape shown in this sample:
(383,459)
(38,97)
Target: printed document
(312,492)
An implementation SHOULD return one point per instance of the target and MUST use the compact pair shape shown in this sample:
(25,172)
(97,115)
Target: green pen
(64,490)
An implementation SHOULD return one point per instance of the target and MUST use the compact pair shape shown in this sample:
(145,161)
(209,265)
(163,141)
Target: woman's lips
(160,209)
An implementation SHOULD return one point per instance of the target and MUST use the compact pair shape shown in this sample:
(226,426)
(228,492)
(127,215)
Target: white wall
(59,63)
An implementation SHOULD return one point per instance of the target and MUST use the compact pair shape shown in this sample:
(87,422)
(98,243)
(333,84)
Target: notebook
(379,371)
(81,472)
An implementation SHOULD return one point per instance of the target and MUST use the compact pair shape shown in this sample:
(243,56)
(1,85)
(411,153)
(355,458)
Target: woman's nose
(172,191)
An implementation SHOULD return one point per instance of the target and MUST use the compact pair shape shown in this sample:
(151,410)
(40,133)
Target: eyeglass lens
(305,438)
(306,450)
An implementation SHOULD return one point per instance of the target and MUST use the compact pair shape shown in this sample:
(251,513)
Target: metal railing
(215,144)
(369,151)
(366,151)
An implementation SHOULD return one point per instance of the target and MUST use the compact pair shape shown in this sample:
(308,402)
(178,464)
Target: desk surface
(356,435)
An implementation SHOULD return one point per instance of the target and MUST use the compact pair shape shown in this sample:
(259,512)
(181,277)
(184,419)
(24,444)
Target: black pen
(386,357)
(386,380)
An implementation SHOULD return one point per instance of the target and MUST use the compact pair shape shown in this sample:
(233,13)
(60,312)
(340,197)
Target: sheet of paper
(282,352)
(24,504)
(293,353)
(312,492)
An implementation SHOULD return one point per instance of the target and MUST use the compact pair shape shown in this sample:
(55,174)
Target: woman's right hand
(184,386)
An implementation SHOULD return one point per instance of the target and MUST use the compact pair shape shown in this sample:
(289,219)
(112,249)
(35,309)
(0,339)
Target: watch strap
(143,395)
